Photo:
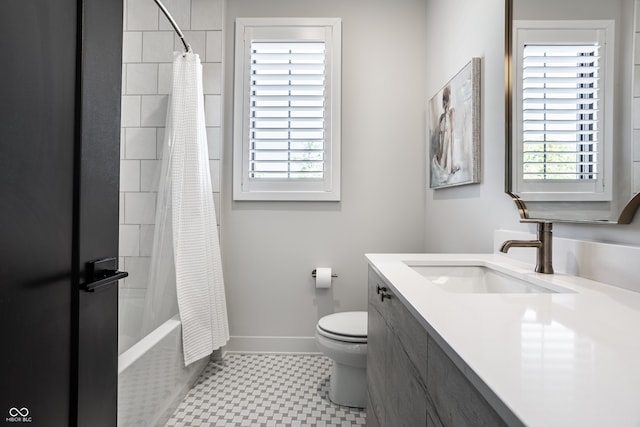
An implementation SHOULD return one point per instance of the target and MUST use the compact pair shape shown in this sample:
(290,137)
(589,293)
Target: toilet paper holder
(313,273)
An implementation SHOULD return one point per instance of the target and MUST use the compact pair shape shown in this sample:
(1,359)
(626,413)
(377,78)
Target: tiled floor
(264,390)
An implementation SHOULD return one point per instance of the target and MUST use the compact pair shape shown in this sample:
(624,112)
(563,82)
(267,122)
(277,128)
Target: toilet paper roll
(323,277)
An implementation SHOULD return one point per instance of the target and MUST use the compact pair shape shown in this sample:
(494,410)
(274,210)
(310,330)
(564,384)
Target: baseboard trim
(248,344)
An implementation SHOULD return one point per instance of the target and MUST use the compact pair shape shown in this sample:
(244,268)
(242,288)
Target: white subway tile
(636,177)
(165,73)
(129,175)
(214,46)
(123,85)
(125,6)
(141,143)
(140,208)
(130,114)
(213,141)
(138,268)
(206,14)
(212,110)
(150,174)
(160,143)
(212,78)
(636,145)
(142,15)
(636,56)
(153,111)
(196,39)
(121,209)
(129,240)
(636,81)
(142,79)
(157,46)
(131,46)
(122,139)
(214,169)
(146,240)
(636,113)
(181,12)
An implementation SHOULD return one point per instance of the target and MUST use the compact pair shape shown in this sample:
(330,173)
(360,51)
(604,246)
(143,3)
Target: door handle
(102,273)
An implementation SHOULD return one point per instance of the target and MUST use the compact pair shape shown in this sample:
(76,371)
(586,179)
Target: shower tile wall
(148,43)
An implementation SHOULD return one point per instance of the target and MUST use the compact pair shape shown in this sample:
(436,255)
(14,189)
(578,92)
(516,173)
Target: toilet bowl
(343,338)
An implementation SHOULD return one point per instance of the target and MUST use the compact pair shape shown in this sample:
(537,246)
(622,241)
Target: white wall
(270,248)
(463,219)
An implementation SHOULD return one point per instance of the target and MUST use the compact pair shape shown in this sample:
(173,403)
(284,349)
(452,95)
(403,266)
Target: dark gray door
(59,166)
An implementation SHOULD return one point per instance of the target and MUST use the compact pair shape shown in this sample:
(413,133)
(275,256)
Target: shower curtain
(186,270)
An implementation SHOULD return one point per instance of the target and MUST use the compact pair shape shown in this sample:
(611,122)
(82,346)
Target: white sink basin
(481,279)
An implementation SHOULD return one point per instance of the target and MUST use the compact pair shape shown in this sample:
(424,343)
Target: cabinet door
(406,399)
(455,400)
(376,361)
(396,387)
(412,335)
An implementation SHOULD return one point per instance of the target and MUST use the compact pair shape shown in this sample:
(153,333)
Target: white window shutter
(286,143)
(287,126)
(563,110)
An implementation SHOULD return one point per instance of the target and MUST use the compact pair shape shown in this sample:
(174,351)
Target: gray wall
(463,219)
(270,248)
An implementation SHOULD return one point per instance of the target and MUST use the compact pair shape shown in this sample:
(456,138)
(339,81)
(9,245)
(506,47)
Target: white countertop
(563,359)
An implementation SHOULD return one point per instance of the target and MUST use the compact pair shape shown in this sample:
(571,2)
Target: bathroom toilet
(343,338)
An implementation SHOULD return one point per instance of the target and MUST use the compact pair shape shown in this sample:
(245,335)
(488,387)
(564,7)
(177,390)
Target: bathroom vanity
(482,340)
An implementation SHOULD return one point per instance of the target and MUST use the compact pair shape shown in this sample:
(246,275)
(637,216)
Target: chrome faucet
(543,243)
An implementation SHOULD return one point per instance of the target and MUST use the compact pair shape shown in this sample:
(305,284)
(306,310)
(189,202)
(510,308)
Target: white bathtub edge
(129,357)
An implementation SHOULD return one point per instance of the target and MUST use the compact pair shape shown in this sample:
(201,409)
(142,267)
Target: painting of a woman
(454,130)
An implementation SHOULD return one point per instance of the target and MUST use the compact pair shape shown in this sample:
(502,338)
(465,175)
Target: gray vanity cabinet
(411,381)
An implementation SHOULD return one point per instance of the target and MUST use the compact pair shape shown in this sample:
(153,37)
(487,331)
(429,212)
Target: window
(563,109)
(287,110)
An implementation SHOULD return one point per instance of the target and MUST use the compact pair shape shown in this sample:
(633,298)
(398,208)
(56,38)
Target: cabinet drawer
(406,398)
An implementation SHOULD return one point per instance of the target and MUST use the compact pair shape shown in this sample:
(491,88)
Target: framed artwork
(454,130)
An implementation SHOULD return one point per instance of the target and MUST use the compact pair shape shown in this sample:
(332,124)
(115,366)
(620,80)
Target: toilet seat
(350,326)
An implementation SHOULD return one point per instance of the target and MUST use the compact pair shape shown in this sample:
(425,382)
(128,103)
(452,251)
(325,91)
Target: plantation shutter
(563,110)
(561,105)
(287,112)
(287,107)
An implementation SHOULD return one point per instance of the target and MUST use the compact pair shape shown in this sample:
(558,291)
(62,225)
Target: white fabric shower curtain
(186,265)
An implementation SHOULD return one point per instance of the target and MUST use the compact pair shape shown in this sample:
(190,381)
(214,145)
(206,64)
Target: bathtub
(152,378)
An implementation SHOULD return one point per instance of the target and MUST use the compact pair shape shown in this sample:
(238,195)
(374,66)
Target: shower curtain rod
(164,10)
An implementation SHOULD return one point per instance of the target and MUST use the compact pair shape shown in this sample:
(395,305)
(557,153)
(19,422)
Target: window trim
(286,29)
(576,190)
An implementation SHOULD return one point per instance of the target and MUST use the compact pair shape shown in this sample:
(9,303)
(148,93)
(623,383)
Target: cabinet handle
(382,291)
